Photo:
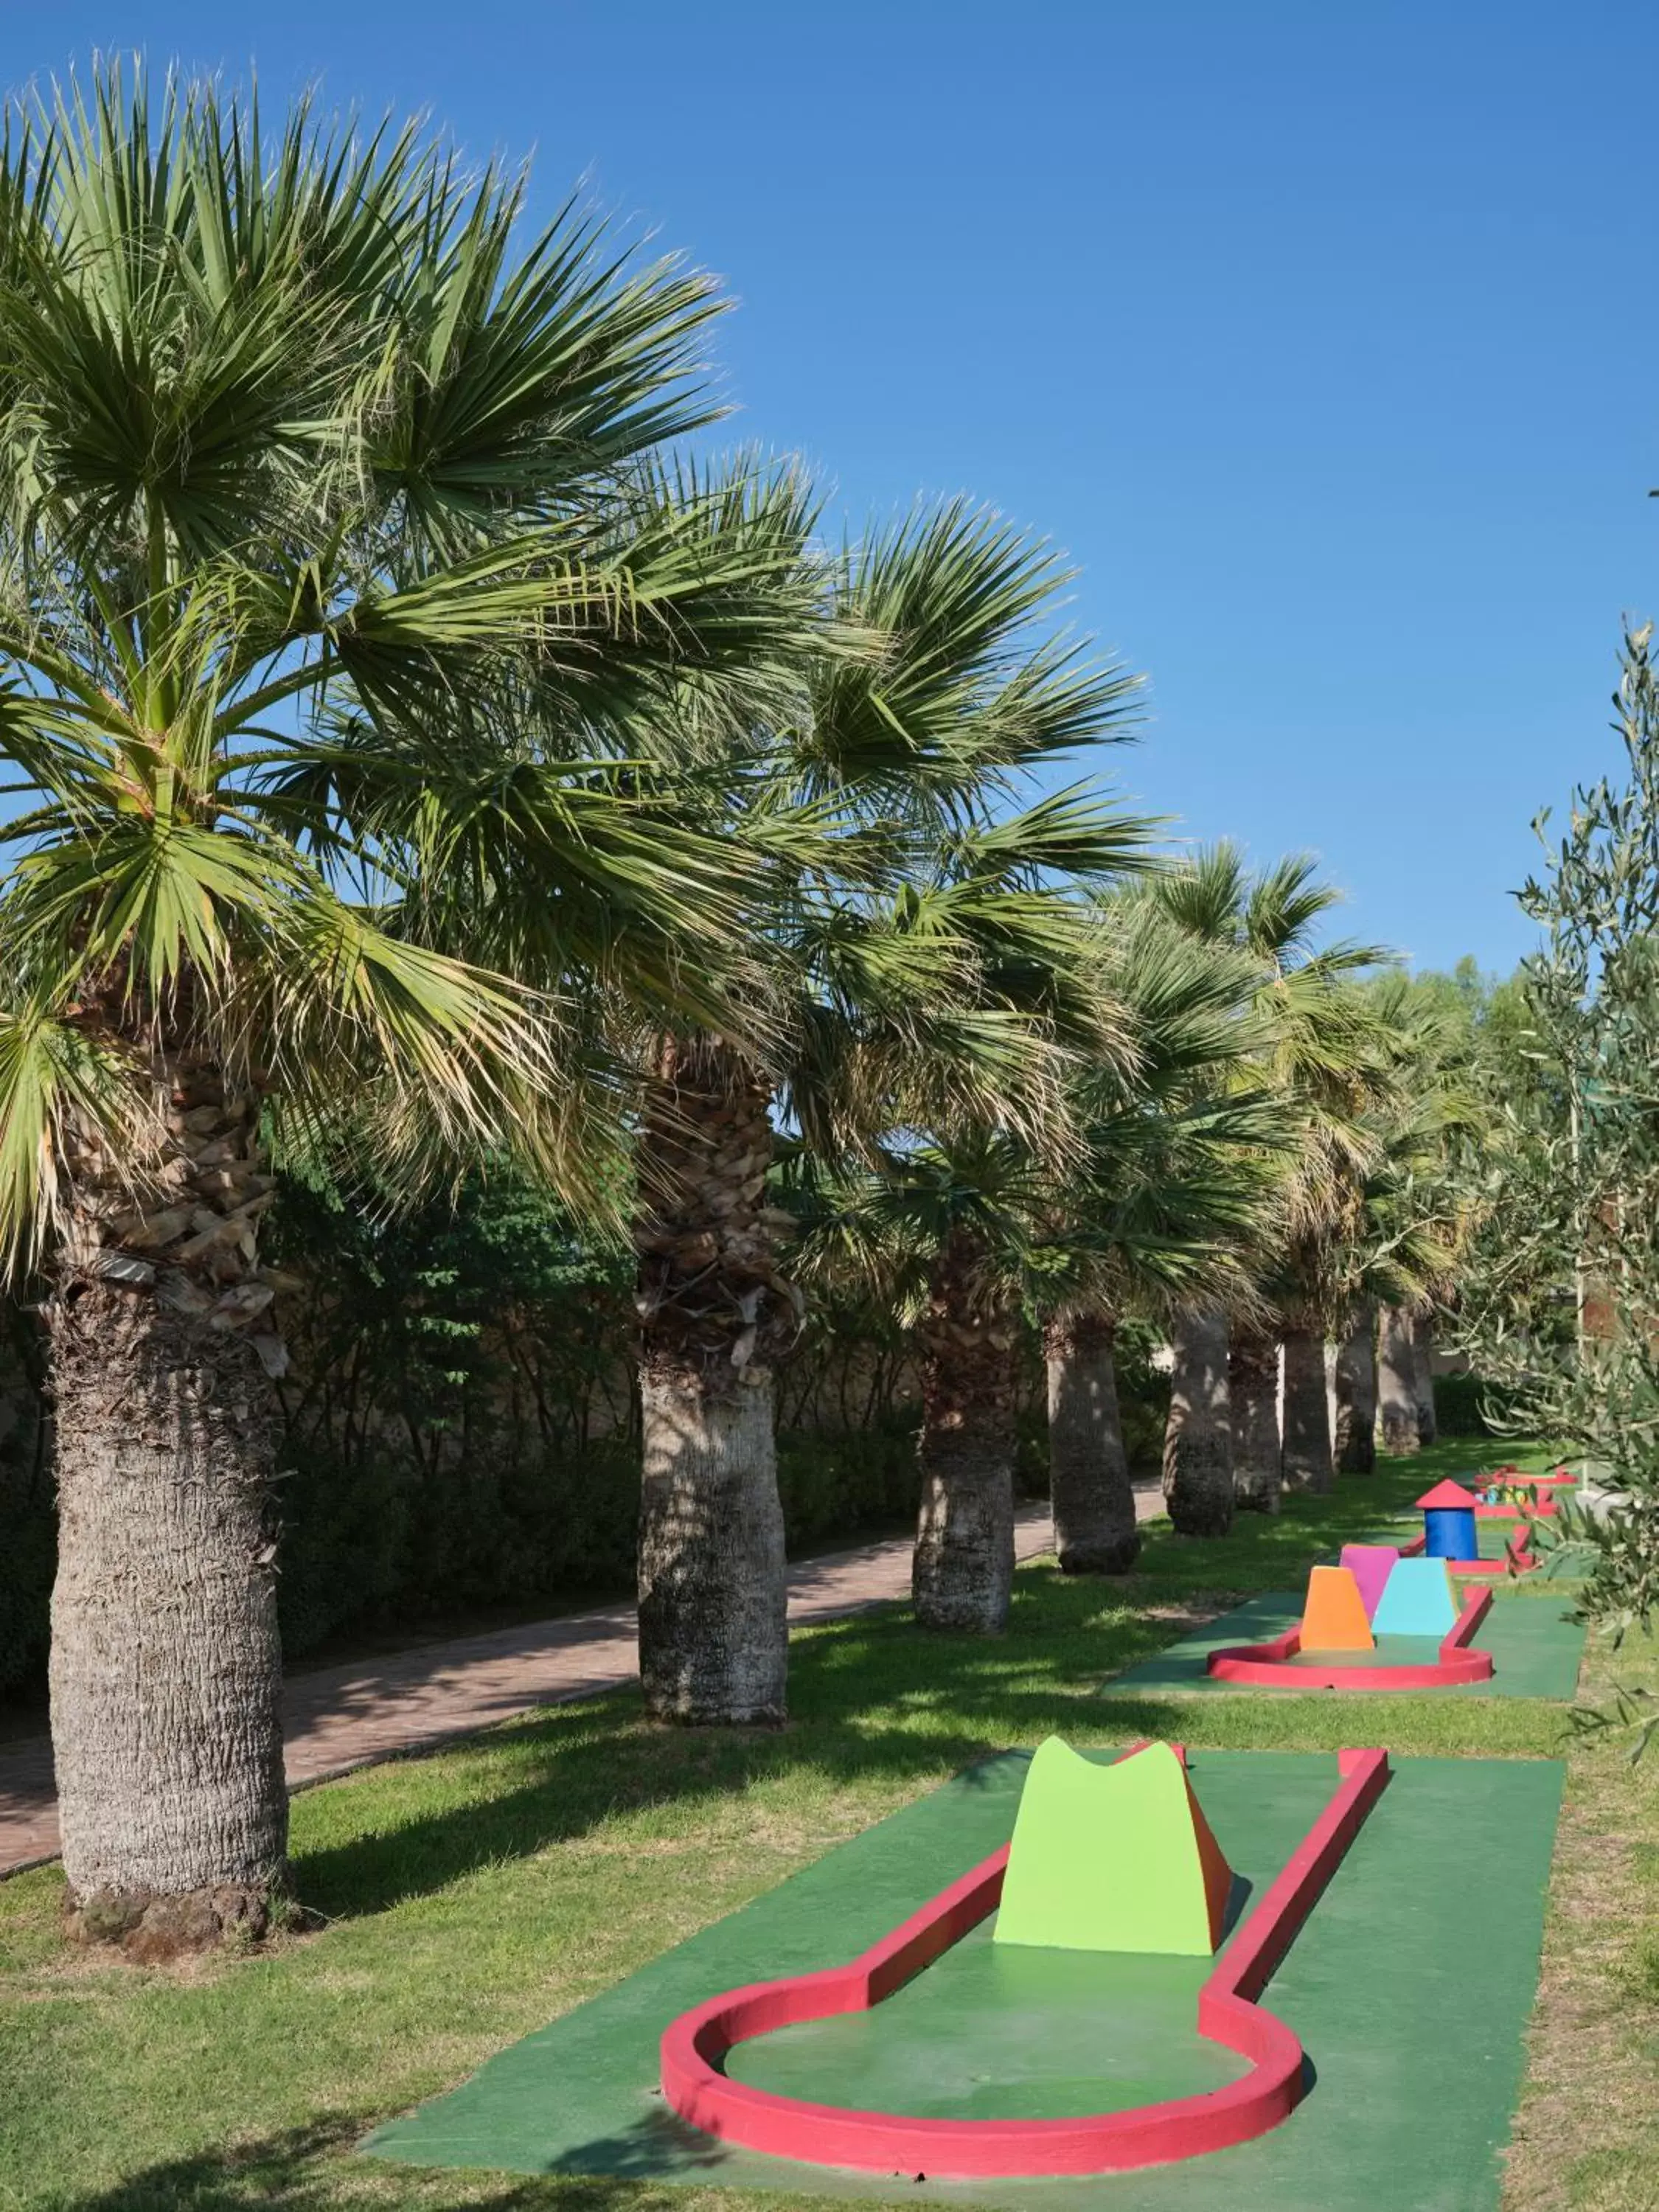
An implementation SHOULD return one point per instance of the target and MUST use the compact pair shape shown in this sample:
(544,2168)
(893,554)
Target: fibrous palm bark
(1253,1395)
(1094,1500)
(1422,1375)
(963,1572)
(1396,1382)
(1198,1441)
(1355,1440)
(166,1666)
(1307,1459)
(714,1312)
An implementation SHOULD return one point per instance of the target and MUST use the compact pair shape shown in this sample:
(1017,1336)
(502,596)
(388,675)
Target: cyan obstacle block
(1417,1600)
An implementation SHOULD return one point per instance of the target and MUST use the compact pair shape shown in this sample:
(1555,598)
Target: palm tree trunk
(1253,1395)
(1198,1439)
(1307,1457)
(1094,1501)
(1423,1377)
(714,1312)
(1356,1394)
(963,1573)
(165,1665)
(1397,1382)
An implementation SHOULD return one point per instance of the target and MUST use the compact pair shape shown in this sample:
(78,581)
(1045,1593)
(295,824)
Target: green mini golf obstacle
(1113,1858)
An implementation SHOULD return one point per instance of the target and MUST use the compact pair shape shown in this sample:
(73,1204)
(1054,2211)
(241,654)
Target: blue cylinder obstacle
(1449,1523)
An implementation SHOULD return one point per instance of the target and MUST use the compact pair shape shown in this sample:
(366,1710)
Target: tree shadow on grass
(872,1698)
(315,2168)
(573,1769)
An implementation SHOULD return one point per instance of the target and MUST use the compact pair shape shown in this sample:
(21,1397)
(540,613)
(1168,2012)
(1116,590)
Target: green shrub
(837,1483)
(1462,1403)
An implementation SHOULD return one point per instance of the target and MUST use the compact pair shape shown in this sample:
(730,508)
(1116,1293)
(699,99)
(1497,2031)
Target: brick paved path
(335,1719)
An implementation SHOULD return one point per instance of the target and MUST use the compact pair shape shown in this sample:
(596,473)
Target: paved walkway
(335,1719)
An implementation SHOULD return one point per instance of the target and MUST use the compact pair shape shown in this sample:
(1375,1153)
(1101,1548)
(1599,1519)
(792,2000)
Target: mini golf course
(1385,1924)
(1535,1647)
(1112,1857)
(1431,1614)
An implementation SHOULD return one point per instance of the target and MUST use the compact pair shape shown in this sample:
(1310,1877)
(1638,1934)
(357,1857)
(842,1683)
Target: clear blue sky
(1325,337)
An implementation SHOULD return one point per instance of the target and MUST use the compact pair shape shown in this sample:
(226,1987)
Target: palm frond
(54,1080)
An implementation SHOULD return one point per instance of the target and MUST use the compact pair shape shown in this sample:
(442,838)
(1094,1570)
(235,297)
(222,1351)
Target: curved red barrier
(1097,2142)
(1265,1666)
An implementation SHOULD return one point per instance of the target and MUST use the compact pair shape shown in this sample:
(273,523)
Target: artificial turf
(1409,1986)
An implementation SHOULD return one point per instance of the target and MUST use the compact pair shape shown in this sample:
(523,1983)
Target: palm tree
(908,939)
(1199,1480)
(1414,1219)
(1386,1232)
(1090,1489)
(1355,1439)
(951,1218)
(1321,1058)
(335,588)
(1253,1404)
(1307,1455)
(1174,1170)
(1423,1350)
(941,1236)
(1397,1383)
(1396,1247)
(977,1201)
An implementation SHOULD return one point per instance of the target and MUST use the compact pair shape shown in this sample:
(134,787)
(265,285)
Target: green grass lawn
(471,1895)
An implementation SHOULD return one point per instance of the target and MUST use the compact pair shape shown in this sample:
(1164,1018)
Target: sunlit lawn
(471,1895)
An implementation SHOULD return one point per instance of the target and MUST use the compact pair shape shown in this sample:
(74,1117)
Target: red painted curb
(1098,2142)
(1263,1665)
(1556,1479)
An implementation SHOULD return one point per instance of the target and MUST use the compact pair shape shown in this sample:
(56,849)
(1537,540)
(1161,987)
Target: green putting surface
(1007,2030)
(1409,1985)
(1535,1651)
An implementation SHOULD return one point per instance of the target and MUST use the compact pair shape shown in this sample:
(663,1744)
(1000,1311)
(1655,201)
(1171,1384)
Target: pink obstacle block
(1371,1565)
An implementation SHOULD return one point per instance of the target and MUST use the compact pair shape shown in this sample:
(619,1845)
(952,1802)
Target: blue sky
(1323,338)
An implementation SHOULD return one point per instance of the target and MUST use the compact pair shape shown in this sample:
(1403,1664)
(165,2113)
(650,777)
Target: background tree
(960,1196)
(1396,1383)
(1318,1057)
(1353,1380)
(907,956)
(1557,1301)
(1174,1168)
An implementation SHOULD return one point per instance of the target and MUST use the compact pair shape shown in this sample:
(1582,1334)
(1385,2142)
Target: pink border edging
(1264,1665)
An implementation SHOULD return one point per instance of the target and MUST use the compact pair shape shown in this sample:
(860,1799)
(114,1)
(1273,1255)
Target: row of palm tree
(414,761)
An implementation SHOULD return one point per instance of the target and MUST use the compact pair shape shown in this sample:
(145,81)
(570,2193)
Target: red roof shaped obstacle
(1443,1495)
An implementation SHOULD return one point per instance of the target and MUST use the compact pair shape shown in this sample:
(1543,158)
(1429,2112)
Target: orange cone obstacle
(1334,1618)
